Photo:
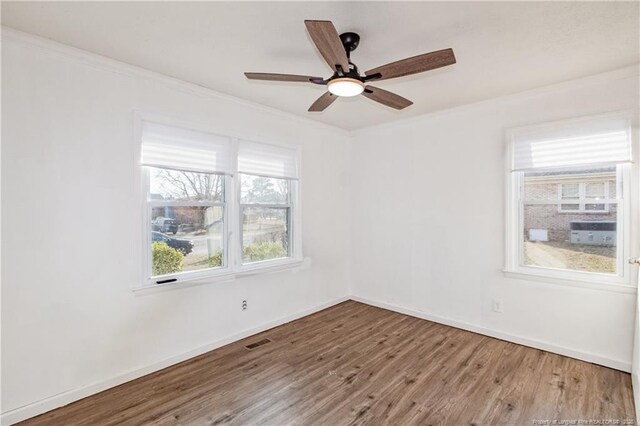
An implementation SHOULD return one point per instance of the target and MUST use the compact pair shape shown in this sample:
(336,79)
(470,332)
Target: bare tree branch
(191,185)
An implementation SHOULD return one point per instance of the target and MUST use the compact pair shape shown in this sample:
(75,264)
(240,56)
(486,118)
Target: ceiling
(501,47)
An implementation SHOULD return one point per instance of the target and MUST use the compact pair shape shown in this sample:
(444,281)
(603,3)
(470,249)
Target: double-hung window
(214,205)
(567,208)
(267,177)
(186,174)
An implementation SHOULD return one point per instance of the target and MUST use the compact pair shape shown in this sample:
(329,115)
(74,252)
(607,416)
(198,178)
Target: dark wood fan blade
(282,77)
(323,102)
(414,65)
(327,40)
(386,98)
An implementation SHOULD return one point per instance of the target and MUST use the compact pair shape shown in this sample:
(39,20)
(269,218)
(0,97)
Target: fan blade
(282,77)
(386,98)
(414,65)
(328,42)
(323,102)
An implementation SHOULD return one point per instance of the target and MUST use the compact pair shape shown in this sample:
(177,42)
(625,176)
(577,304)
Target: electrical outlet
(497,306)
(244,305)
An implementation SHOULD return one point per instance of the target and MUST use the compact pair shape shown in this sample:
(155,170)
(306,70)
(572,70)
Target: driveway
(571,256)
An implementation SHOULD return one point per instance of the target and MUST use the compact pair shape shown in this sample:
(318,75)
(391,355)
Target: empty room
(320,213)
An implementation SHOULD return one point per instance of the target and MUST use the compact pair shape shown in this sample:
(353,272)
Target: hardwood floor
(358,364)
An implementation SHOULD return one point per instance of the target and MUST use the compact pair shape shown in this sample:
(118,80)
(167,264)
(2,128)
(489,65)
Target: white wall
(635,366)
(419,228)
(427,224)
(71,221)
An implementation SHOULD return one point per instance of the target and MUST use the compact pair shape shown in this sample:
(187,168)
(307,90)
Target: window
(267,199)
(195,226)
(187,214)
(186,174)
(566,215)
(552,233)
(265,212)
(582,197)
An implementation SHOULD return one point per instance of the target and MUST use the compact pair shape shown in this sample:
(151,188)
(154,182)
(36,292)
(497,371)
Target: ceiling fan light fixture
(345,87)
(336,50)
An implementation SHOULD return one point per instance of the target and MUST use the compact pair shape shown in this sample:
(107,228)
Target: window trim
(514,234)
(233,268)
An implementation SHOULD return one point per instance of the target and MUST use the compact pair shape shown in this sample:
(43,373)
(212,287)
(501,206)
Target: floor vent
(258,343)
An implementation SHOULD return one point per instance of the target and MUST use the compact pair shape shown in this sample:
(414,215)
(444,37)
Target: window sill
(584,211)
(593,284)
(260,268)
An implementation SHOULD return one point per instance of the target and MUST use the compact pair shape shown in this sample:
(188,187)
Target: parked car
(183,246)
(165,224)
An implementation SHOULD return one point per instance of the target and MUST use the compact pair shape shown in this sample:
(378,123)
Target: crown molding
(618,74)
(112,65)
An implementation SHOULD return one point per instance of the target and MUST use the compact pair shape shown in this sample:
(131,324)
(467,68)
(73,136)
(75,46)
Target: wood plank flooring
(357,364)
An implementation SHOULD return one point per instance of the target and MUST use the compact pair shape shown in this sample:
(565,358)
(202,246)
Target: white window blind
(604,140)
(182,149)
(267,160)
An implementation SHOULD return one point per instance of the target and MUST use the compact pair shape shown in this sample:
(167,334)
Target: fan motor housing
(350,41)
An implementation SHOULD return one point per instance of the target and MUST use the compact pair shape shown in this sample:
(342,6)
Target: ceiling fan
(346,80)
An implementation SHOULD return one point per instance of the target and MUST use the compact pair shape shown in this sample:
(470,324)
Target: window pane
(595,190)
(265,233)
(569,207)
(262,190)
(578,236)
(570,190)
(595,207)
(185,186)
(186,238)
(574,241)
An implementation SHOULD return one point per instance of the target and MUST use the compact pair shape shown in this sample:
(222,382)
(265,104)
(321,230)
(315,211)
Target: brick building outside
(571,196)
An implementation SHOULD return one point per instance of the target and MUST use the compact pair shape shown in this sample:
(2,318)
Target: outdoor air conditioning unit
(595,232)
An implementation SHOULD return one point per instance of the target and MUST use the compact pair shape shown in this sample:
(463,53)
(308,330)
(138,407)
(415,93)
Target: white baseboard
(56,401)
(72,395)
(533,343)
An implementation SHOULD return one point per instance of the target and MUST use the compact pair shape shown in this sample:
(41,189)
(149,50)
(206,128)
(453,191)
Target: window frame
(514,236)
(233,267)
